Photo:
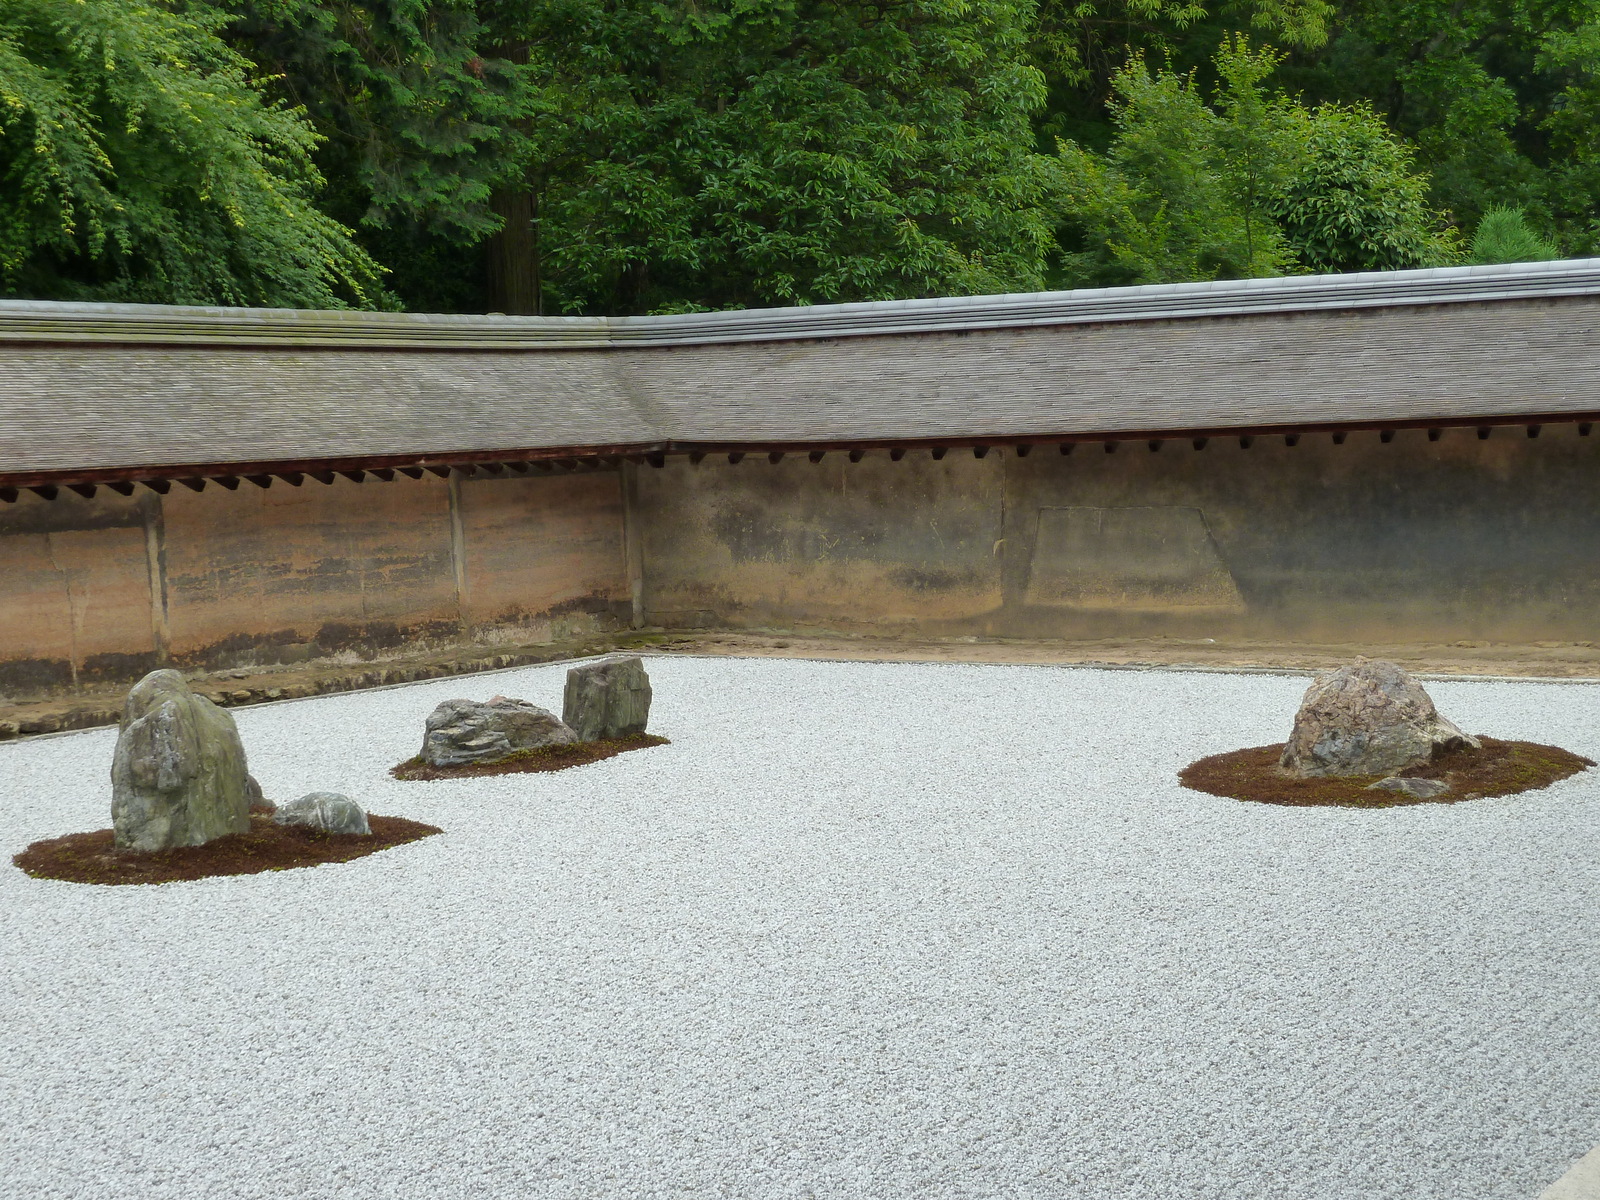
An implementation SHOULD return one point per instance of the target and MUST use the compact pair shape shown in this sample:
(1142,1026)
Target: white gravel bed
(863,930)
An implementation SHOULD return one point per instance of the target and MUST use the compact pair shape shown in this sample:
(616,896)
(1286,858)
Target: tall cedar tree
(421,117)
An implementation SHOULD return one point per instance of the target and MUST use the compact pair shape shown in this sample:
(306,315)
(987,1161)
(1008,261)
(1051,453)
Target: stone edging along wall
(65,713)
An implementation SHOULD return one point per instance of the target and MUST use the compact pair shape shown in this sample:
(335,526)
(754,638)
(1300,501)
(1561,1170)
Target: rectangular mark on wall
(1155,558)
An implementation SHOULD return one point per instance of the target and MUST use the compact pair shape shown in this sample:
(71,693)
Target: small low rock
(258,799)
(467,731)
(1420,789)
(1368,718)
(328,811)
(607,699)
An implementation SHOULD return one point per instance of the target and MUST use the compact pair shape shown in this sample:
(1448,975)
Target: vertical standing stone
(607,699)
(178,776)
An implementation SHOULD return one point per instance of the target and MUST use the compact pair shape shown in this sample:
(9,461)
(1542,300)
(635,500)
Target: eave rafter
(523,463)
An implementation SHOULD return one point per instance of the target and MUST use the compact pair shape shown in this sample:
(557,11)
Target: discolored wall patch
(1146,558)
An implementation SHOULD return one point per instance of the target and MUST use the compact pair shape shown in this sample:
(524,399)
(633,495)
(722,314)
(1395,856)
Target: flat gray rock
(607,699)
(470,731)
(178,774)
(1422,789)
(1368,718)
(328,811)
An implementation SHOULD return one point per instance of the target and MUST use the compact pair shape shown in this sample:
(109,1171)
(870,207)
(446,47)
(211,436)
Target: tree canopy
(622,156)
(140,161)
(1254,184)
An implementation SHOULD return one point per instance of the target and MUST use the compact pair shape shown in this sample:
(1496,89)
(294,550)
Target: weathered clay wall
(1412,539)
(107,588)
(835,544)
(285,572)
(543,553)
(75,590)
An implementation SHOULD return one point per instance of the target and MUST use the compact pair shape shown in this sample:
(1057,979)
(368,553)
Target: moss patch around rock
(1499,769)
(95,858)
(545,758)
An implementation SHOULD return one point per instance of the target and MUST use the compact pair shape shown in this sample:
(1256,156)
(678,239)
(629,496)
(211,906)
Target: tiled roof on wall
(112,391)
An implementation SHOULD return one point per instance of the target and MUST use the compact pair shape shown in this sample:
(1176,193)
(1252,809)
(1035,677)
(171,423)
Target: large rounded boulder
(470,731)
(1368,718)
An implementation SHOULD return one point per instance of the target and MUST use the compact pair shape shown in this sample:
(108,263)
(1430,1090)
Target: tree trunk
(514,284)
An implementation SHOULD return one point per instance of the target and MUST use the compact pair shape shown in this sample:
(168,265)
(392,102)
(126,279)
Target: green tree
(140,162)
(422,113)
(755,152)
(1353,201)
(1082,45)
(1503,236)
(631,156)
(1180,194)
(1497,96)
(1256,184)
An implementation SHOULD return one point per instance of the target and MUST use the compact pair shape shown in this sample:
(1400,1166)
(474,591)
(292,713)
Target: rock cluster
(467,731)
(1368,718)
(178,775)
(328,811)
(607,699)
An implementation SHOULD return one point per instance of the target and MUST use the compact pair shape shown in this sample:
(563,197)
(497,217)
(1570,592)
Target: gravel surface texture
(862,930)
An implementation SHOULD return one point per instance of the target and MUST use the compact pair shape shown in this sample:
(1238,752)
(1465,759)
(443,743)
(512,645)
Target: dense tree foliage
(780,152)
(420,117)
(1503,236)
(1258,184)
(139,162)
(665,155)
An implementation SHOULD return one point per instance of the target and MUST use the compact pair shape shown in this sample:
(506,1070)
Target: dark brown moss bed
(1499,769)
(545,758)
(93,858)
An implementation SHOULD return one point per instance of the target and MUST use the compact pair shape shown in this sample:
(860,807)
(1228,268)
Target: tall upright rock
(178,777)
(607,699)
(1367,718)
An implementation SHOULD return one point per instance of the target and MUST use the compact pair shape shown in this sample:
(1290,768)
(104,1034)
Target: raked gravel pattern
(863,930)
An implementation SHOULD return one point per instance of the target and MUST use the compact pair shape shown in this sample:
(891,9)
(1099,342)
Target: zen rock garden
(605,710)
(184,805)
(1367,735)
